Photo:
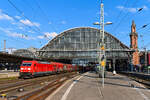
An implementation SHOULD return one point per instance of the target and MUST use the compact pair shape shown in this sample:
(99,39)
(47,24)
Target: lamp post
(102,57)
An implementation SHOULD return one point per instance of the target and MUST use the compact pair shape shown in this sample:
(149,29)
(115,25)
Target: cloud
(49,22)
(14,23)
(131,10)
(20,27)
(19,35)
(145,7)
(40,37)
(15,34)
(51,35)
(148,0)
(29,23)
(4,29)
(48,35)
(18,17)
(63,22)
(4,16)
(31,31)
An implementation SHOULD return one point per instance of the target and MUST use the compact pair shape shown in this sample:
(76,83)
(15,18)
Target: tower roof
(133,23)
(133,28)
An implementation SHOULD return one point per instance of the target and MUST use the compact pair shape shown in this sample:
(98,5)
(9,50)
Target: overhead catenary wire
(46,18)
(138,11)
(17,20)
(13,39)
(45,15)
(24,36)
(125,16)
(143,35)
(118,16)
(22,14)
(28,4)
(45,36)
(144,26)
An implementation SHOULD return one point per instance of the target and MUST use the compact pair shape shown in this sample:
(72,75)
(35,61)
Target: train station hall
(81,46)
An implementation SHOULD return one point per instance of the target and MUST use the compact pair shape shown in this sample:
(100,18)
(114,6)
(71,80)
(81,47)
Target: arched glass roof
(83,43)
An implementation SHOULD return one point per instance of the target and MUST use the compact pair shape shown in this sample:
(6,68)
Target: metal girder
(91,50)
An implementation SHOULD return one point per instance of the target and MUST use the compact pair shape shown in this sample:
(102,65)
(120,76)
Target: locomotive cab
(26,69)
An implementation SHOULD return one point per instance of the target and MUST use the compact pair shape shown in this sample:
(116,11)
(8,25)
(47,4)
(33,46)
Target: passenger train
(30,69)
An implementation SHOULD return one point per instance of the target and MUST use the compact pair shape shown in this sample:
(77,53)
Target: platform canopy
(82,44)
(24,53)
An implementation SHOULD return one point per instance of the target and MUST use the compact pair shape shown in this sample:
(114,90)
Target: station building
(81,46)
(29,52)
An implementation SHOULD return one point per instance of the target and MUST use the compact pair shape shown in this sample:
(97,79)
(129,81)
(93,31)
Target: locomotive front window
(26,64)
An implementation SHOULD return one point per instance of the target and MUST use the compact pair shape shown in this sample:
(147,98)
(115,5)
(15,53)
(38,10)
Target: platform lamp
(102,57)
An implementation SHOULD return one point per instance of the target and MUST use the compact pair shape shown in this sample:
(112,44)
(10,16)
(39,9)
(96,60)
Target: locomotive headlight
(29,68)
(22,68)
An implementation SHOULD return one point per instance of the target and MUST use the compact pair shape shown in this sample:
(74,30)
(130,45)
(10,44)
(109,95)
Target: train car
(58,66)
(38,68)
(35,68)
(68,67)
(76,68)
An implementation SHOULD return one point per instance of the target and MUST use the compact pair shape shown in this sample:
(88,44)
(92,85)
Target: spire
(133,23)
(133,29)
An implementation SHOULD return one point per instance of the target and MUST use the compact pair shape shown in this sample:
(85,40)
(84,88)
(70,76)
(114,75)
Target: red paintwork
(59,66)
(36,67)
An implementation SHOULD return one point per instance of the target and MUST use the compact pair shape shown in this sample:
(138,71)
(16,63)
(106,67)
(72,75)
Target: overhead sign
(103,63)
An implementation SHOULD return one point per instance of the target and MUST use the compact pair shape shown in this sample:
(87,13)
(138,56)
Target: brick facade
(134,44)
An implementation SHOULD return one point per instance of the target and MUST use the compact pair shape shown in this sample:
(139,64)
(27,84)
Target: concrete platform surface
(6,74)
(88,87)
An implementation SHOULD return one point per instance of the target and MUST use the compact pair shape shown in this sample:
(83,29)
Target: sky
(33,23)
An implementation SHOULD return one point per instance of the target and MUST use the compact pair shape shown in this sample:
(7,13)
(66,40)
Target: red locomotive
(38,68)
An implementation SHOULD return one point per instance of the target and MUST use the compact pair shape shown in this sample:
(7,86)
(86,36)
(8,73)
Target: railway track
(145,80)
(33,89)
(42,93)
(6,87)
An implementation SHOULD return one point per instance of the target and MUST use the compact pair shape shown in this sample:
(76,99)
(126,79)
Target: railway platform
(88,86)
(7,74)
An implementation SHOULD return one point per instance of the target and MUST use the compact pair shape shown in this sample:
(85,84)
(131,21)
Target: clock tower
(134,44)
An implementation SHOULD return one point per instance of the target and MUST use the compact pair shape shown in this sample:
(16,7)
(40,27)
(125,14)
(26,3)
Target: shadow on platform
(116,78)
(122,85)
(111,77)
